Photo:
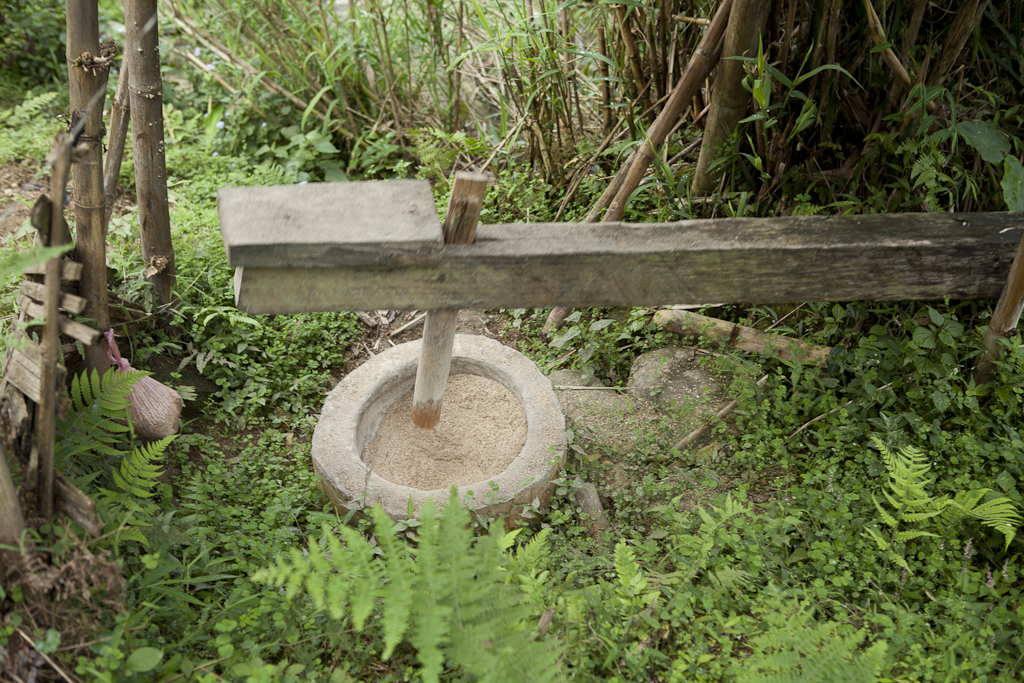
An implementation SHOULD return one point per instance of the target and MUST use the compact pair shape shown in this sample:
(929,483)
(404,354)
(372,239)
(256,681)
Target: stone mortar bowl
(355,408)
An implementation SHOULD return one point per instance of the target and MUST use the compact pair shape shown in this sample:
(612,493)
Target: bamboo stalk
(629,175)
(967,17)
(120,114)
(730,100)
(439,329)
(88,196)
(145,86)
(888,56)
(701,63)
(606,90)
(1004,321)
(633,55)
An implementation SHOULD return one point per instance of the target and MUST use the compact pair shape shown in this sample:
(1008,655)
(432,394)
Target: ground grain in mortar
(482,430)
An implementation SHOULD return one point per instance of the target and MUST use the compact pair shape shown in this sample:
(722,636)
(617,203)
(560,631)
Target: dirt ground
(21,183)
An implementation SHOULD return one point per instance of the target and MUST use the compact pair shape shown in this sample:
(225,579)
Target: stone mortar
(355,407)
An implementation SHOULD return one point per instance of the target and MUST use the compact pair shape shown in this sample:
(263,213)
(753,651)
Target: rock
(607,418)
(672,380)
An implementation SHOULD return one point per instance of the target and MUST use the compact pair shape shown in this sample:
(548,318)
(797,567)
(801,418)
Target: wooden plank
(69,302)
(328,224)
(69,270)
(769,260)
(23,371)
(76,505)
(72,328)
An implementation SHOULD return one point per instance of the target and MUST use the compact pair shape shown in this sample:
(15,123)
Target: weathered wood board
(24,371)
(69,270)
(72,328)
(328,224)
(880,257)
(69,302)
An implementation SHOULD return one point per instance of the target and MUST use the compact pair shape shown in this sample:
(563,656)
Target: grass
(756,556)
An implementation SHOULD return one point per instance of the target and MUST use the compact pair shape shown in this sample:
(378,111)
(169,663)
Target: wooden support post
(439,330)
(1004,319)
(90,240)
(145,86)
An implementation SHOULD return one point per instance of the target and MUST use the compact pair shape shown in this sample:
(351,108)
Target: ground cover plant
(858,520)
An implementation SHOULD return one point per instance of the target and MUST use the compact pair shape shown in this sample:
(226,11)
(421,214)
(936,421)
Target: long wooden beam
(880,257)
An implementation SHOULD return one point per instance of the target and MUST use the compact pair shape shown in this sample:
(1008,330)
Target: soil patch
(24,180)
(482,430)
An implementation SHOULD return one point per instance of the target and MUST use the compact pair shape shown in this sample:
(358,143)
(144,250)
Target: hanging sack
(155,407)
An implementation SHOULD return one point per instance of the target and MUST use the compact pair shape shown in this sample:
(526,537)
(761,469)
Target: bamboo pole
(967,17)
(606,91)
(628,177)
(1004,319)
(701,63)
(439,329)
(88,199)
(145,87)
(730,100)
(633,55)
(120,114)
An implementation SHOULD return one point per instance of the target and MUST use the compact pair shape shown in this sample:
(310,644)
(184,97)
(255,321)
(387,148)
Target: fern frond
(450,598)
(398,597)
(904,536)
(364,574)
(141,468)
(131,533)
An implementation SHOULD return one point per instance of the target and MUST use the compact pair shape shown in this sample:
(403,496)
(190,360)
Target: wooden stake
(439,329)
(1004,319)
(145,87)
(60,159)
(90,241)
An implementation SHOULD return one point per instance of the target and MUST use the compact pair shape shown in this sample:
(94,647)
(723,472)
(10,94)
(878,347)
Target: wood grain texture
(72,328)
(24,371)
(328,224)
(769,260)
(69,270)
(460,225)
(69,302)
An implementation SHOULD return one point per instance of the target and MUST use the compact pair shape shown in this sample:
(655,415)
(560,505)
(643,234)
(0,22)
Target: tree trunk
(145,86)
(90,239)
(730,99)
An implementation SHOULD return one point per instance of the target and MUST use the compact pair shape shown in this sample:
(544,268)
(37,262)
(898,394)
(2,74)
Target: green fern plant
(449,597)
(98,426)
(911,504)
(795,646)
